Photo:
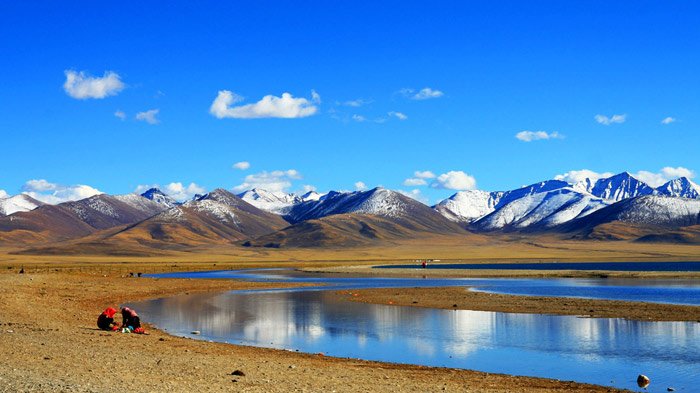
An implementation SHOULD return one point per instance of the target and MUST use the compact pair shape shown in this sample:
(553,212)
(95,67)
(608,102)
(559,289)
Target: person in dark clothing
(106,320)
(130,318)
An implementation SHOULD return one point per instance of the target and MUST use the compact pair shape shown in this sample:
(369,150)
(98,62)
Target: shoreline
(371,271)
(47,323)
(461,298)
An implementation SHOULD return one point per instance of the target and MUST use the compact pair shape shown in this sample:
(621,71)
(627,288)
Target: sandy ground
(49,343)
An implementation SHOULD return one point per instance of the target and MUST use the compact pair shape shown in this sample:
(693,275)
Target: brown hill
(51,223)
(350,230)
(219,217)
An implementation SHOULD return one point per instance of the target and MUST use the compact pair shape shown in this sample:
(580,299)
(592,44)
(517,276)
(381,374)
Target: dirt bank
(461,298)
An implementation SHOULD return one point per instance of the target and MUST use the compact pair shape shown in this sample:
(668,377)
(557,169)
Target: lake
(596,350)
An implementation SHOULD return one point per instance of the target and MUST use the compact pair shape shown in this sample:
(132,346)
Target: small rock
(239,373)
(161,339)
(195,332)
(454,306)
(670,389)
(292,366)
(643,381)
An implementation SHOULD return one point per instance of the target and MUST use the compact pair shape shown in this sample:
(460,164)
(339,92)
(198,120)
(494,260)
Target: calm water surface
(595,350)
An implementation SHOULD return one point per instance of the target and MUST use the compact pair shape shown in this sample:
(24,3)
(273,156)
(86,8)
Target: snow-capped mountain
(18,203)
(681,187)
(636,217)
(146,205)
(311,196)
(660,211)
(469,206)
(77,218)
(274,202)
(391,206)
(541,210)
(378,201)
(553,202)
(216,217)
(544,186)
(354,218)
(158,196)
(617,187)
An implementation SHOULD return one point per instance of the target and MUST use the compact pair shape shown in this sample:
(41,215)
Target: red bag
(139,330)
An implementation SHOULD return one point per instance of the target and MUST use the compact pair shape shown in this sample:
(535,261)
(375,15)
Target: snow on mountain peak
(544,209)
(468,206)
(311,196)
(619,187)
(18,203)
(272,201)
(158,196)
(681,187)
(381,202)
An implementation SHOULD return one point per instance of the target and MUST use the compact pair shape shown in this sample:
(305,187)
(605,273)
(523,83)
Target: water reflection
(590,350)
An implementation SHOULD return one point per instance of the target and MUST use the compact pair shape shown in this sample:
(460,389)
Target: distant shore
(461,298)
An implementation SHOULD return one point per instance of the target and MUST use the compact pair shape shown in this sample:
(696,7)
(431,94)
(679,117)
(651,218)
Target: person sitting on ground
(130,319)
(106,320)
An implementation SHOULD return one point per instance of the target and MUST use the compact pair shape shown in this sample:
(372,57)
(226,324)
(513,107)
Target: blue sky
(491,69)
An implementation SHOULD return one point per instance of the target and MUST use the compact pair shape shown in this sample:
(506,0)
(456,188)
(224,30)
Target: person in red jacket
(106,320)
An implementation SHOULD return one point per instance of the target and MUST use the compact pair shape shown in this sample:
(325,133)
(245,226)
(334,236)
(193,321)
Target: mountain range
(619,207)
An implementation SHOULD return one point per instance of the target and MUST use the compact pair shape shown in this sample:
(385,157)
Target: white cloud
(650,178)
(573,177)
(120,114)
(360,186)
(653,179)
(656,179)
(454,180)
(308,188)
(425,93)
(674,173)
(286,107)
(605,120)
(359,118)
(415,194)
(40,185)
(357,103)
(315,97)
(398,115)
(529,136)
(180,192)
(424,174)
(53,193)
(269,181)
(81,86)
(149,116)
(412,182)
(4,194)
(668,120)
(242,165)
